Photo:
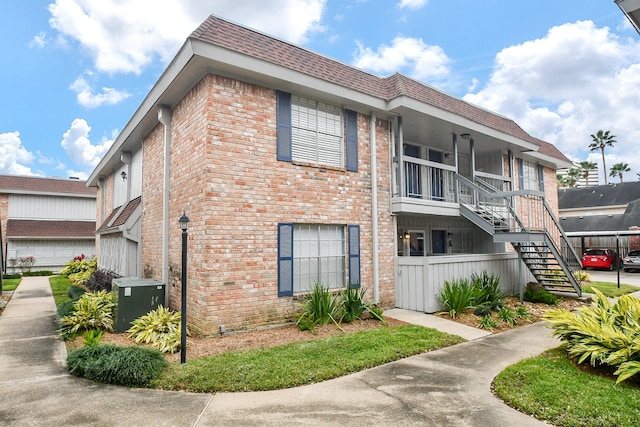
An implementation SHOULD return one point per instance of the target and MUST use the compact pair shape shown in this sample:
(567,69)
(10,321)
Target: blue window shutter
(354,255)
(283,132)
(285,259)
(520,174)
(541,177)
(351,125)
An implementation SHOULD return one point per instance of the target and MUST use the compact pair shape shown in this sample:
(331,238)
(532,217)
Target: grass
(10,284)
(302,363)
(609,289)
(59,286)
(552,388)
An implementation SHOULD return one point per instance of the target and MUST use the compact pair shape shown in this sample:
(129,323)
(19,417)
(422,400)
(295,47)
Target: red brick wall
(226,177)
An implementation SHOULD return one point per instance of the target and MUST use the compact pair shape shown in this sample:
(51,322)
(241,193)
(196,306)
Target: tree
(564,180)
(618,169)
(586,167)
(601,140)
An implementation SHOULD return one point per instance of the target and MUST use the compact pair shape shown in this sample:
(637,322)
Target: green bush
(38,273)
(12,276)
(80,269)
(65,309)
(457,296)
(487,289)
(74,292)
(507,316)
(531,294)
(91,311)
(101,280)
(487,322)
(161,328)
(127,366)
(603,333)
(320,308)
(353,305)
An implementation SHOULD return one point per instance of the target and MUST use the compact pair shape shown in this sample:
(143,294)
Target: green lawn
(59,286)
(302,363)
(551,388)
(10,284)
(609,289)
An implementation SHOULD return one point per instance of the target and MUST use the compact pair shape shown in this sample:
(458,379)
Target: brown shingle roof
(551,150)
(123,217)
(44,185)
(247,41)
(50,229)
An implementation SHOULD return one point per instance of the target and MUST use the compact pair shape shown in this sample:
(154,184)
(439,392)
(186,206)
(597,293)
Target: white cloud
(78,146)
(13,156)
(39,40)
(568,84)
(412,4)
(88,99)
(409,55)
(124,37)
(77,174)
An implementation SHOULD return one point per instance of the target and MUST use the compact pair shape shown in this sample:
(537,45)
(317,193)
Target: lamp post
(184,222)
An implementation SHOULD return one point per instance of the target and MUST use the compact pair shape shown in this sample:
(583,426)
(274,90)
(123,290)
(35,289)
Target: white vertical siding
(49,254)
(119,187)
(420,279)
(26,206)
(136,174)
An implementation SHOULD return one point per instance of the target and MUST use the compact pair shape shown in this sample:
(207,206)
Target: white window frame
(530,180)
(319,256)
(317,133)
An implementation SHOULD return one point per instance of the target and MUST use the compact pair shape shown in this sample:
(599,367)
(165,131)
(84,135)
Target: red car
(600,258)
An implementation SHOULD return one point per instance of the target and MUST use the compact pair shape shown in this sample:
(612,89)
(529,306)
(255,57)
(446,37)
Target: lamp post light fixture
(184,222)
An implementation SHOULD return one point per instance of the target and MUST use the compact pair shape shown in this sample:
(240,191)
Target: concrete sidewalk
(441,388)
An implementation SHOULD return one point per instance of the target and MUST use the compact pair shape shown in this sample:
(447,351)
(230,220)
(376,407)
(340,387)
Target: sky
(73,72)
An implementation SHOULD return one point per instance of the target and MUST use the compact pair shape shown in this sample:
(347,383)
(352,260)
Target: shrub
(101,280)
(64,309)
(582,276)
(487,322)
(38,273)
(523,313)
(161,328)
(12,276)
(603,333)
(92,338)
(487,289)
(80,269)
(353,305)
(74,292)
(539,295)
(457,296)
(91,311)
(127,366)
(320,308)
(483,310)
(507,316)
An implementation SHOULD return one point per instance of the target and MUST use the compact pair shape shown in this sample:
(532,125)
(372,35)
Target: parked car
(631,261)
(601,258)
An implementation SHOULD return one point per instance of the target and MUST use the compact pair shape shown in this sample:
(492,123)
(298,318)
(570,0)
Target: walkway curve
(446,387)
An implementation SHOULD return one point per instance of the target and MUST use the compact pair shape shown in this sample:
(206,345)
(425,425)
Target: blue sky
(74,71)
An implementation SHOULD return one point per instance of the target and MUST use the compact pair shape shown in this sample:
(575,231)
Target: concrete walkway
(441,388)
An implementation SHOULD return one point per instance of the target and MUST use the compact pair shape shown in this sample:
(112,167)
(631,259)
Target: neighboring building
(50,219)
(593,217)
(294,169)
(631,8)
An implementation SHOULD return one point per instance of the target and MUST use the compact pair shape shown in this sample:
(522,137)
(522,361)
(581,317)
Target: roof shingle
(50,229)
(44,185)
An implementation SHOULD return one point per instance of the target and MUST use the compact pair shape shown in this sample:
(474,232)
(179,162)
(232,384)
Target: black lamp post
(184,222)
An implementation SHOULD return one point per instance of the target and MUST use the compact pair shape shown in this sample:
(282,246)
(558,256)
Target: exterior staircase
(524,219)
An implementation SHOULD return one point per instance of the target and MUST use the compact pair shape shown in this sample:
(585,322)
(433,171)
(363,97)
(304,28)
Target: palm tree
(586,167)
(564,181)
(601,140)
(619,169)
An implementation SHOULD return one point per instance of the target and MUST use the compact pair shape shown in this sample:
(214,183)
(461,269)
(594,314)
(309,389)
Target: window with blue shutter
(283,132)
(541,177)
(354,255)
(351,124)
(285,259)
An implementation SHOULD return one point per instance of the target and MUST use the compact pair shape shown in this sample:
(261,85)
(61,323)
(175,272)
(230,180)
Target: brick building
(294,168)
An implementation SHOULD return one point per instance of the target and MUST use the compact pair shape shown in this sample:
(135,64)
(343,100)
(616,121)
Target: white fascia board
(421,107)
(548,160)
(146,108)
(48,193)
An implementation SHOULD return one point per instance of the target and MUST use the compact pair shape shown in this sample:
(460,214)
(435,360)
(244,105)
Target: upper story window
(317,133)
(531,175)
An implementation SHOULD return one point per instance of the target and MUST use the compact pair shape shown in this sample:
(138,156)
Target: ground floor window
(317,253)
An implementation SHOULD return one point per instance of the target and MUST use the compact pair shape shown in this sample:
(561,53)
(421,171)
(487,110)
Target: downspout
(374,207)
(164,117)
